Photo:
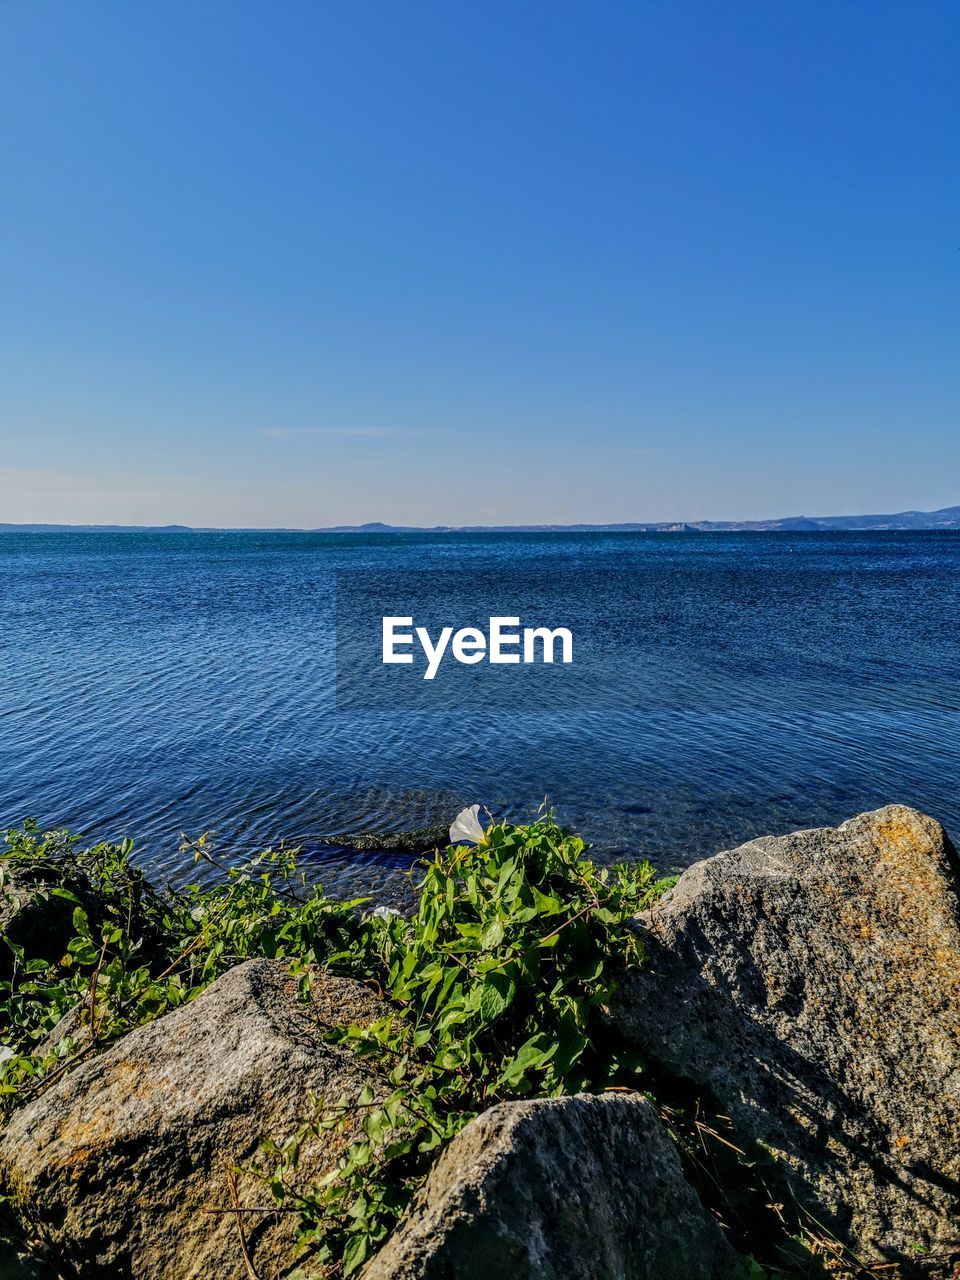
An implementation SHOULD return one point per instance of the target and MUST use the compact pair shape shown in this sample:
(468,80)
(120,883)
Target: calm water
(159,683)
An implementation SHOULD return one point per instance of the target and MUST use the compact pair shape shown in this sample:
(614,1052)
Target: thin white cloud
(290,433)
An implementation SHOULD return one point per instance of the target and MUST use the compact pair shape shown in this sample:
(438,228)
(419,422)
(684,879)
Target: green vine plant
(495,988)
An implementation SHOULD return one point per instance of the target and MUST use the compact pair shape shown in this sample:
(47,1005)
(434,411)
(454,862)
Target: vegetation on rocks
(498,987)
(495,986)
(135,953)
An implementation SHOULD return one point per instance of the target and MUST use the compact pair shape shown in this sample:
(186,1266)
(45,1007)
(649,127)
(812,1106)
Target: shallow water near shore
(154,684)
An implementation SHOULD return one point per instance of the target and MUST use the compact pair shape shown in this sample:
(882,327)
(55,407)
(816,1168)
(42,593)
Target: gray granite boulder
(584,1187)
(812,983)
(118,1165)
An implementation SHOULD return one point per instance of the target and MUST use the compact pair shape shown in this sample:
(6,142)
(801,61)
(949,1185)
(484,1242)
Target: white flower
(466,827)
(6,1052)
(384,913)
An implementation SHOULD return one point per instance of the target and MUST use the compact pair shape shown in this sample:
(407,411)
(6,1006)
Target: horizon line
(942,518)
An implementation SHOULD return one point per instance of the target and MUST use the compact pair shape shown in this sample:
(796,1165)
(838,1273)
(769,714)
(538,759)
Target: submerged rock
(554,1189)
(416,840)
(812,983)
(119,1164)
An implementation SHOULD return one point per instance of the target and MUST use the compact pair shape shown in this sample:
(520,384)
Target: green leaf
(496,995)
(492,935)
(355,1254)
(67,894)
(534,1054)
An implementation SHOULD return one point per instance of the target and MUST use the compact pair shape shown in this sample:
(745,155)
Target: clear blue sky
(307,263)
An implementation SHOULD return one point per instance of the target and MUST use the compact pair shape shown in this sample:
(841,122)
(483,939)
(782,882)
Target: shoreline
(850,931)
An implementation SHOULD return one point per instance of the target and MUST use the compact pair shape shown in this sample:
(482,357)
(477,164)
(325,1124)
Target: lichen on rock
(812,983)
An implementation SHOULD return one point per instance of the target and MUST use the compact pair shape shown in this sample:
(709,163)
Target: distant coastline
(943,518)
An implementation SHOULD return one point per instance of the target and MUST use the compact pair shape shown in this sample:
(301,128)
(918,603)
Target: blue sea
(155,684)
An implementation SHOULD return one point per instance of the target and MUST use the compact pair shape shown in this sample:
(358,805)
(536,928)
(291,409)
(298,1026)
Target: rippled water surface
(159,683)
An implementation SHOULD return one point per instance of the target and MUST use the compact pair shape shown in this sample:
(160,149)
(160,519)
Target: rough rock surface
(581,1187)
(118,1163)
(812,982)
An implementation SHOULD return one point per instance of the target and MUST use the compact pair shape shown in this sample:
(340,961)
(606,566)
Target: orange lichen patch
(78,1140)
(131,1077)
(93,1129)
(855,921)
(906,836)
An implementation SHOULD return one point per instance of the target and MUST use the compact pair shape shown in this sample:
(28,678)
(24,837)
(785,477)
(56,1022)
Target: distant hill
(944,518)
(96,528)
